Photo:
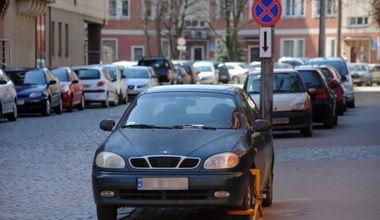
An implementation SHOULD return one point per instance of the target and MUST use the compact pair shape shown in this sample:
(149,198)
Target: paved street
(46,168)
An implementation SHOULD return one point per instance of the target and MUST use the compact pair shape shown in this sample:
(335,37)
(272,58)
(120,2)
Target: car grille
(164,195)
(164,162)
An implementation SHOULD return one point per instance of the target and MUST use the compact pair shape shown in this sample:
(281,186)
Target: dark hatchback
(322,96)
(38,90)
(164,67)
(184,146)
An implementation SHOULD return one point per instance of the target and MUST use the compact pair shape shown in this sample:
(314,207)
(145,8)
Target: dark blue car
(184,146)
(38,90)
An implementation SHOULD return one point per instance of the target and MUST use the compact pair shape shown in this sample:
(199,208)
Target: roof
(227,89)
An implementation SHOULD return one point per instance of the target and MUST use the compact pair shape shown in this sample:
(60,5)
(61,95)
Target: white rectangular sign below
(265,42)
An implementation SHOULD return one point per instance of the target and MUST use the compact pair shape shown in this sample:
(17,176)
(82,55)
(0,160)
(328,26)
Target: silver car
(8,98)
(361,74)
(139,78)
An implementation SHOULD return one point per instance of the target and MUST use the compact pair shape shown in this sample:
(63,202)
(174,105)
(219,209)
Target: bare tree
(376,11)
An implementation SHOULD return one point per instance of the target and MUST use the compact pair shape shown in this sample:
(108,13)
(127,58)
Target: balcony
(32,8)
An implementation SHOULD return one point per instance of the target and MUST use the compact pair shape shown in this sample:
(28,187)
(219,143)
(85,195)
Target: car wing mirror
(52,82)
(75,81)
(107,124)
(261,125)
(2,82)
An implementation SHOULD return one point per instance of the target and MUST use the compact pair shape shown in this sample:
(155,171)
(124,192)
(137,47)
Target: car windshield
(182,110)
(358,68)
(282,83)
(156,64)
(87,74)
(34,77)
(61,74)
(132,73)
(339,66)
(203,68)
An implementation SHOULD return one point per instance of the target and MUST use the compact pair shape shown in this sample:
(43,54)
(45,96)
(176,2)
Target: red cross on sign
(266,12)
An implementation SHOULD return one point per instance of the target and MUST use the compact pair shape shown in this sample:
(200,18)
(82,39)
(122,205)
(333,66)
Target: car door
(260,141)
(76,85)
(111,85)
(54,88)
(6,99)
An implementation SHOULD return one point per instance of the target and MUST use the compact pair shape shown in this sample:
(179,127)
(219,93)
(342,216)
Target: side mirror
(343,78)
(3,82)
(107,124)
(52,82)
(75,81)
(261,125)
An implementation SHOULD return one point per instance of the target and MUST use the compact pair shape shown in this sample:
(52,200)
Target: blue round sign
(266,12)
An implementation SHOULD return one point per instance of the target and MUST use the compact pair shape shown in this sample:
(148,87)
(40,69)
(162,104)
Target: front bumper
(31,104)
(200,192)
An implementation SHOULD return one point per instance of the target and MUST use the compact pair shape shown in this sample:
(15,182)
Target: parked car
(341,66)
(238,71)
(190,70)
(8,98)
(335,83)
(375,72)
(119,79)
(322,96)
(153,158)
(360,74)
(139,78)
(164,67)
(98,85)
(72,88)
(211,72)
(180,76)
(292,107)
(38,90)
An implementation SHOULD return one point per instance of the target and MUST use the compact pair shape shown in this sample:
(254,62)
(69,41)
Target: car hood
(141,142)
(27,89)
(283,101)
(360,73)
(137,81)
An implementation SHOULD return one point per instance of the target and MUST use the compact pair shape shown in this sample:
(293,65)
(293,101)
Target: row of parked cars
(316,90)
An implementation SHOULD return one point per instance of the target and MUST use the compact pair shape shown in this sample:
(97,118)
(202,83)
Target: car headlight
(221,161)
(35,94)
(109,160)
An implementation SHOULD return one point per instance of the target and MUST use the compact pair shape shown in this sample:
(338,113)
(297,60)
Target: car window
(196,108)
(340,66)
(111,71)
(61,74)
(282,83)
(203,68)
(35,78)
(88,74)
(310,78)
(131,73)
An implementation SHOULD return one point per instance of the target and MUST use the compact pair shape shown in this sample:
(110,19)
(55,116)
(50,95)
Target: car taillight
(169,74)
(100,83)
(307,103)
(320,94)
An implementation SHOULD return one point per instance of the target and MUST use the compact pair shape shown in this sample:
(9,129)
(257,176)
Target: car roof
(276,71)
(324,59)
(226,89)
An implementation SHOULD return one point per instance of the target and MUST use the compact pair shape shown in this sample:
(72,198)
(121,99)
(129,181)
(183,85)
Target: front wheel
(106,212)
(267,202)
(248,201)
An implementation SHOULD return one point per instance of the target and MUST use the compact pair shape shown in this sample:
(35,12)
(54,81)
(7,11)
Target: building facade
(51,32)
(349,32)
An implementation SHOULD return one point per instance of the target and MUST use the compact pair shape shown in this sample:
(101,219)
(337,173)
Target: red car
(336,84)
(72,88)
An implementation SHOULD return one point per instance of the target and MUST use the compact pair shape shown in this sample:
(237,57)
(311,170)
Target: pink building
(296,34)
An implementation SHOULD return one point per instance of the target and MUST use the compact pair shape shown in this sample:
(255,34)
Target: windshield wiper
(191,126)
(147,126)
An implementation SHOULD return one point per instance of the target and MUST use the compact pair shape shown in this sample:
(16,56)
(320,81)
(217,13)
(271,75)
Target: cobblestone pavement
(45,163)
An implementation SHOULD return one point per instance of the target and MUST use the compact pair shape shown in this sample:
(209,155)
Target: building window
(357,21)
(330,49)
(118,8)
(293,8)
(254,54)
(292,48)
(59,39)
(330,8)
(109,50)
(165,48)
(66,40)
(137,52)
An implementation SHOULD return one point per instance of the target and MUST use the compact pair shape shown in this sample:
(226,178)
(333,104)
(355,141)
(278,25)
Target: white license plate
(20,102)
(280,121)
(86,86)
(162,183)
